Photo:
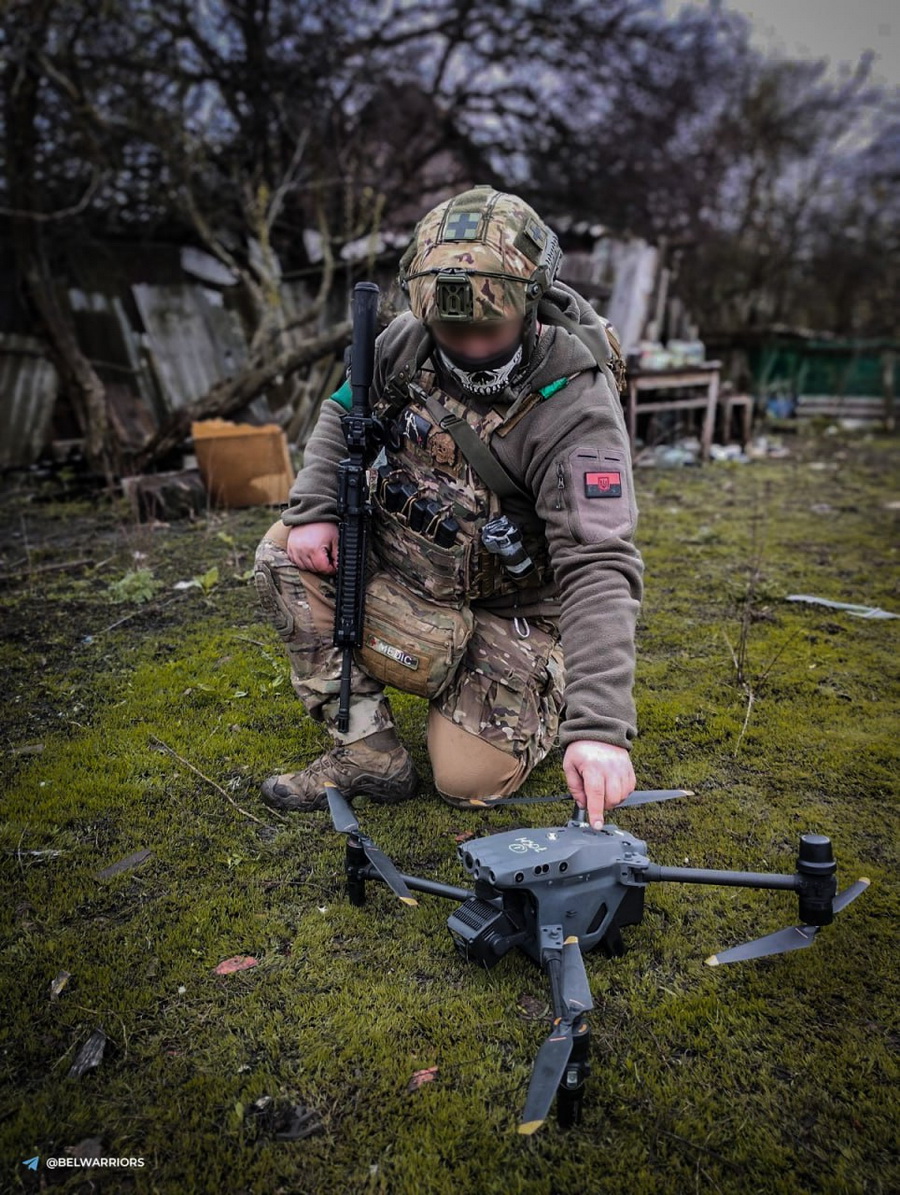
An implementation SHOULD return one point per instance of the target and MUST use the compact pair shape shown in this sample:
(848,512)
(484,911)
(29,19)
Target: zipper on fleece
(560,486)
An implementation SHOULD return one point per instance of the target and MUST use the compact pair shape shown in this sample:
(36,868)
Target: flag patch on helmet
(462,226)
(536,232)
(607,484)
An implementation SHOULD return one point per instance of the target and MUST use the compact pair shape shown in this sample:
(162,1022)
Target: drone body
(557,893)
(572,876)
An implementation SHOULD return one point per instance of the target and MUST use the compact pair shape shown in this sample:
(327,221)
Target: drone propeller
(650,795)
(554,1055)
(345,823)
(575,989)
(341,813)
(639,797)
(784,940)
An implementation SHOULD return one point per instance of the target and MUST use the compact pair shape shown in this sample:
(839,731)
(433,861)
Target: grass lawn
(140,717)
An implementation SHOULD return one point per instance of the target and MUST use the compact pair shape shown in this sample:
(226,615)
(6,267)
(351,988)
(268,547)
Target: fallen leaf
(464,837)
(531,1008)
(57,984)
(129,861)
(89,1055)
(420,1077)
(240,962)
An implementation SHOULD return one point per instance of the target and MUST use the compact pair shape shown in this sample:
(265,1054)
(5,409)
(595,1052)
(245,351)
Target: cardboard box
(242,465)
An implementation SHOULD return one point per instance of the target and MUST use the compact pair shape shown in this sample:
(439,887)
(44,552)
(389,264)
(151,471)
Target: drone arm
(433,887)
(702,875)
(552,962)
(814,881)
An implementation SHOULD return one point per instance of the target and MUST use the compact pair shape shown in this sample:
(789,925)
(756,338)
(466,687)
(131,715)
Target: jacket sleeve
(313,496)
(580,473)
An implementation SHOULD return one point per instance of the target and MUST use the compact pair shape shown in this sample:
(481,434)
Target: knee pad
(270,599)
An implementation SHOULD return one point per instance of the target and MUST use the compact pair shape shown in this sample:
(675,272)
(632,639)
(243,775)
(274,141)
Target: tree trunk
(21,83)
(85,389)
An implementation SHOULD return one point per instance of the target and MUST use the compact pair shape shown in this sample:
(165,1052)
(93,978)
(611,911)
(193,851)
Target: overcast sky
(840,30)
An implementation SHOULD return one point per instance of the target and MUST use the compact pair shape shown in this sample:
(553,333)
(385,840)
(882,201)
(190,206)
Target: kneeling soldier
(506,582)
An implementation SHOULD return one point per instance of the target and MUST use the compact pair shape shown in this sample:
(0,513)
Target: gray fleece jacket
(570,453)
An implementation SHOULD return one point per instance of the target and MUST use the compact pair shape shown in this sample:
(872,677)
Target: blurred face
(478,340)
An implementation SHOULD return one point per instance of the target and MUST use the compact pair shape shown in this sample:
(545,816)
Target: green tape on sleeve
(344,396)
(552,388)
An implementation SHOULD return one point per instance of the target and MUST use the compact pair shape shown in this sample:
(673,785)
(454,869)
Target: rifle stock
(353,493)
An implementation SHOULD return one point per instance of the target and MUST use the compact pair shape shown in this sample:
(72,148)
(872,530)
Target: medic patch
(393,653)
(605,484)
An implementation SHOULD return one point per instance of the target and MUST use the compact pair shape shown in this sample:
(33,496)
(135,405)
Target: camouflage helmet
(483,255)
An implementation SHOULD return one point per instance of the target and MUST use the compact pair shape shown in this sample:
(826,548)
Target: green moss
(776,1076)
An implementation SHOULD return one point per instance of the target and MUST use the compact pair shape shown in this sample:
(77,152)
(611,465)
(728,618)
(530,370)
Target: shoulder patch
(602,501)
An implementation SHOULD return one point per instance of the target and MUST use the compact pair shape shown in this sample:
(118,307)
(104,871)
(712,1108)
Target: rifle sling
(593,338)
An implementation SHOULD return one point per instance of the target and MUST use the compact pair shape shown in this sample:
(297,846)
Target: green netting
(817,368)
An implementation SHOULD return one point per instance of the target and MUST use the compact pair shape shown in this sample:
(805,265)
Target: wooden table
(704,379)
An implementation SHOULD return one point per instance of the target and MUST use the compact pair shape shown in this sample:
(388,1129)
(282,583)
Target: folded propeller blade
(341,813)
(388,872)
(546,1076)
(576,991)
(796,937)
(843,898)
(648,796)
(641,797)
(346,823)
(783,940)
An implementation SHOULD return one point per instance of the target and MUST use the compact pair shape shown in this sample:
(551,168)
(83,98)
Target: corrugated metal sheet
(28,385)
(113,347)
(193,341)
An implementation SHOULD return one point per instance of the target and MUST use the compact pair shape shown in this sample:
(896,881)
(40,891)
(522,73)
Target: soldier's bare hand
(599,776)
(314,547)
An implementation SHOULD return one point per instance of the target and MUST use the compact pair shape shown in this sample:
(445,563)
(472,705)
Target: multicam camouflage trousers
(487,730)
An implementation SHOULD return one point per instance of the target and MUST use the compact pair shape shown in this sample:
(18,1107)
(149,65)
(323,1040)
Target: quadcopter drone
(559,892)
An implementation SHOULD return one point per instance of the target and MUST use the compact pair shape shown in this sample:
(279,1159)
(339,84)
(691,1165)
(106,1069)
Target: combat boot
(378,767)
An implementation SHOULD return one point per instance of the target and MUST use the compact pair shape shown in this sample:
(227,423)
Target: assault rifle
(360,433)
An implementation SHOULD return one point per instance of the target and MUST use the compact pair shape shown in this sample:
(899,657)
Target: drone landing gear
(570,1093)
(612,944)
(355,862)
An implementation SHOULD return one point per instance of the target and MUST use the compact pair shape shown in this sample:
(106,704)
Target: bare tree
(26,39)
(257,127)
